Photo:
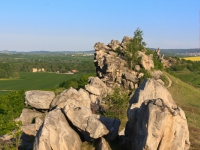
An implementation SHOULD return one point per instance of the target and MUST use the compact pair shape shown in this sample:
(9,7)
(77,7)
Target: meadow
(36,81)
(189,77)
(187,97)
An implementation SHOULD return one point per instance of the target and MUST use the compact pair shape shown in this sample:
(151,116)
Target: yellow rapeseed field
(196,58)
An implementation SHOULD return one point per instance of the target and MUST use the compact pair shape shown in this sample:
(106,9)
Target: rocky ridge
(70,118)
(112,68)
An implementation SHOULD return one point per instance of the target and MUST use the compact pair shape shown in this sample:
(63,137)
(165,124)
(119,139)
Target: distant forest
(12,64)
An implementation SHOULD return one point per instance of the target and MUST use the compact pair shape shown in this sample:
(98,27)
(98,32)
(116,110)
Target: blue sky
(63,25)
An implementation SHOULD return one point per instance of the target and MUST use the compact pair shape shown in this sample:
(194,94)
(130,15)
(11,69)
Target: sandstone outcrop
(28,115)
(113,70)
(81,95)
(112,125)
(166,61)
(39,99)
(146,60)
(83,119)
(56,134)
(154,120)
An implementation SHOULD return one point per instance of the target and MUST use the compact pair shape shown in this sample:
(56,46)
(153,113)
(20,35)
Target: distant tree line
(10,67)
(182,64)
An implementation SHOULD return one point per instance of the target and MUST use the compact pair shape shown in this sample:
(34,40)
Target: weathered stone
(71,93)
(154,120)
(114,54)
(112,125)
(66,94)
(28,115)
(151,89)
(95,99)
(101,46)
(156,74)
(160,81)
(136,86)
(38,123)
(56,134)
(100,144)
(125,84)
(39,99)
(83,119)
(125,40)
(96,82)
(140,75)
(137,68)
(146,61)
(6,137)
(131,85)
(122,132)
(93,90)
(29,129)
(130,77)
(114,44)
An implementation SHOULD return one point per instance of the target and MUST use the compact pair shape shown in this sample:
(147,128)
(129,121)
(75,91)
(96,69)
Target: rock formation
(155,121)
(39,99)
(113,70)
(56,134)
(70,114)
(64,121)
(166,61)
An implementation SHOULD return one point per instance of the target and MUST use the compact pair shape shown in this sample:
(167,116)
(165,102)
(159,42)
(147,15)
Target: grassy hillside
(188,98)
(192,78)
(32,81)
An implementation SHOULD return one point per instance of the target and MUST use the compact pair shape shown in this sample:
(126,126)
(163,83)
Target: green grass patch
(188,98)
(37,81)
(192,78)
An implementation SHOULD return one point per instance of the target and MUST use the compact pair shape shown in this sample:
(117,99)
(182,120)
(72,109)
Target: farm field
(36,81)
(196,58)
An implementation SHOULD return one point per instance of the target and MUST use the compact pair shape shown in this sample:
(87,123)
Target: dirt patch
(194,138)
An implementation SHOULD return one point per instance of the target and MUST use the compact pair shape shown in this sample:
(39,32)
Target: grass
(188,98)
(189,77)
(39,81)
(197,58)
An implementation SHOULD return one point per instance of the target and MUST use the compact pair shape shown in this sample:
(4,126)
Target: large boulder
(82,117)
(56,134)
(81,95)
(96,82)
(31,129)
(112,125)
(93,90)
(39,99)
(146,60)
(131,77)
(155,121)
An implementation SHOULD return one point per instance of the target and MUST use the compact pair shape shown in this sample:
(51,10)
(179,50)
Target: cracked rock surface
(55,132)
(155,121)
(82,117)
